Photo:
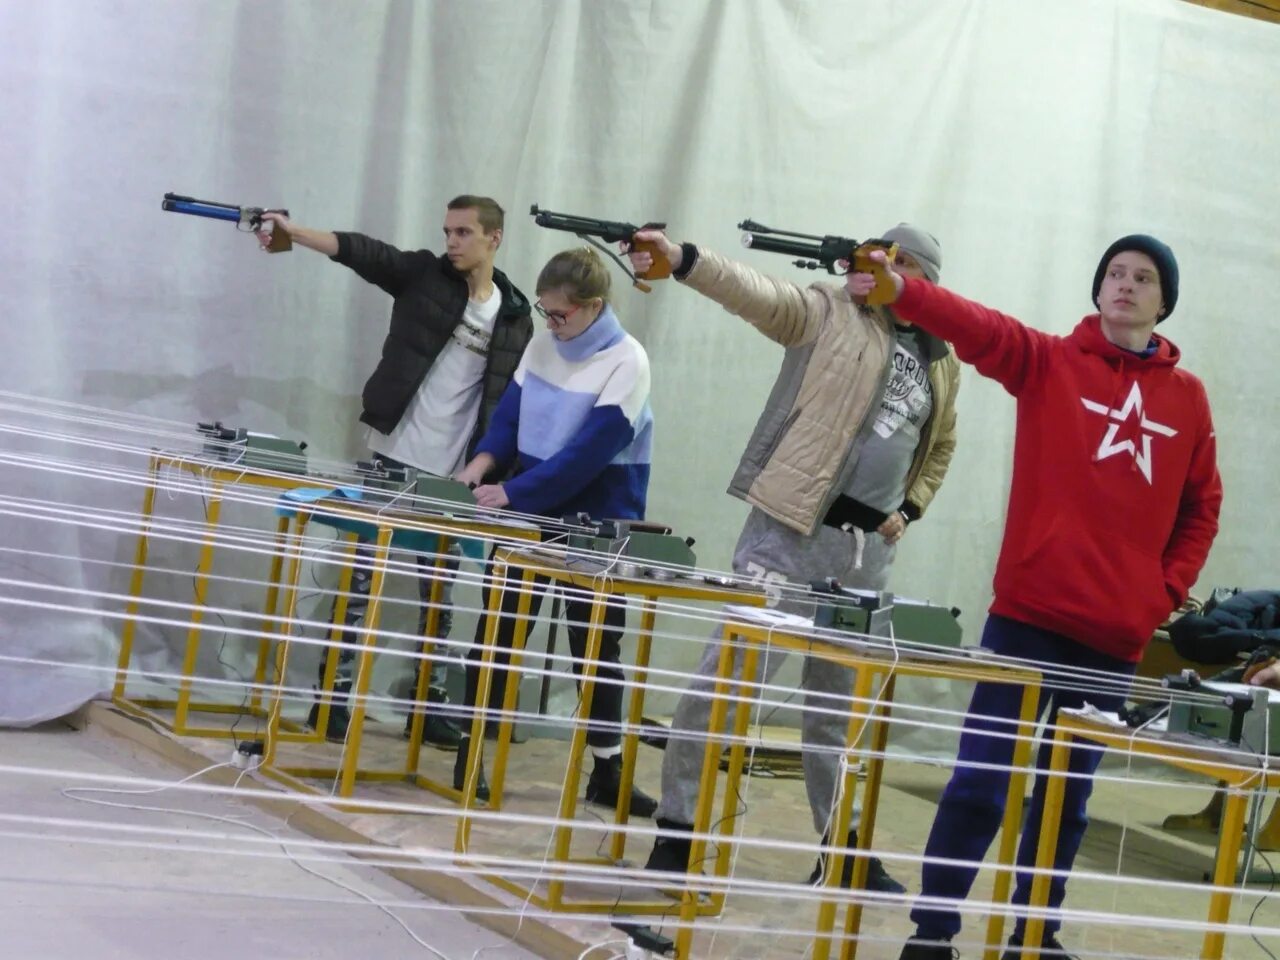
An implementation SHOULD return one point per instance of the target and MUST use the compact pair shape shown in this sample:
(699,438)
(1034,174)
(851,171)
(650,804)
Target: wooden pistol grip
(281,242)
(1257,668)
(883,291)
(661,267)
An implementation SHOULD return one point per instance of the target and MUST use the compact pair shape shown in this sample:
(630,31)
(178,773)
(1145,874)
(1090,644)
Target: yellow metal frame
(184,705)
(1240,782)
(870,664)
(604,587)
(349,771)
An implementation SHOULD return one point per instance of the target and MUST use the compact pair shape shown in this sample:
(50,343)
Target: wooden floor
(1122,814)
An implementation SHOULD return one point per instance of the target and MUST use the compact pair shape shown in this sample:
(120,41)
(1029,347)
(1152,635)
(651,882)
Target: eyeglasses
(555,316)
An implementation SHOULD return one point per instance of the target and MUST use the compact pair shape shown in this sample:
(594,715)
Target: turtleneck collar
(604,333)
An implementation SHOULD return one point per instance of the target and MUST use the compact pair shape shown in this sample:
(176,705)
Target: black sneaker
(671,854)
(920,949)
(339,720)
(460,771)
(437,731)
(606,779)
(878,879)
(440,732)
(1049,949)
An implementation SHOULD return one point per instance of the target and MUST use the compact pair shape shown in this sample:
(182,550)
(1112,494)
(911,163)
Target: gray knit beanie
(922,246)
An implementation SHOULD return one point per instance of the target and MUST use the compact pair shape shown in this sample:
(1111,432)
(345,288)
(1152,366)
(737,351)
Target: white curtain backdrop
(1026,136)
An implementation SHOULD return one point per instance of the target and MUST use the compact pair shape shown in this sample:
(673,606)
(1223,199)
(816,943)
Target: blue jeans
(972,805)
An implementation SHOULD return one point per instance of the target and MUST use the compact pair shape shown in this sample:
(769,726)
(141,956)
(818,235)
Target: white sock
(604,753)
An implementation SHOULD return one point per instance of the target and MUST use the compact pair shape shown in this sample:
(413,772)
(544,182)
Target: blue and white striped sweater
(577,421)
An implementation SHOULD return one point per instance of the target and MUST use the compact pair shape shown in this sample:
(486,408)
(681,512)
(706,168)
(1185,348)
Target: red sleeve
(998,346)
(1197,521)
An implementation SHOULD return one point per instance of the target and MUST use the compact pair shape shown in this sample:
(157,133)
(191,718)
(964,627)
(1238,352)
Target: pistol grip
(281,242)
(661,267)
(1256,667)
(883,291)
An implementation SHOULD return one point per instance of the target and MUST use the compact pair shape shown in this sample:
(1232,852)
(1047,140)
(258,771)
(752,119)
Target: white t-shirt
(433,433)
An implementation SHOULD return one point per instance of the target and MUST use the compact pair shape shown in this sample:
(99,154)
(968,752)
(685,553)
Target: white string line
(406,905)
(76,793)
(198,442)
(395,806)
(98,419)
(231,494)
(253,539)
(53,408)
(773,891)
(1052,668)
(1124,815)
(55,404)
(80,468)
(894,857)
(470,911)
(482,864)
(305,694)
(234,492)
(933,652)
(445,861)
(278,618)
(260,635)
(546,853)
(266,544)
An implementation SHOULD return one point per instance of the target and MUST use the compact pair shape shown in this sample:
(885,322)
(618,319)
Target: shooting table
(518,570)
(218,476)
(388,529)
(749,633)
(1244,773)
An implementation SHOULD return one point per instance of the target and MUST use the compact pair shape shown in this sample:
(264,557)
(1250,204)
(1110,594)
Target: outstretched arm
(322,241)
(999,346)
(379,263)
(777,308)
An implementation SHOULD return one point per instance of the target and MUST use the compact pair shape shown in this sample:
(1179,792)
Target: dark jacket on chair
(1245,622)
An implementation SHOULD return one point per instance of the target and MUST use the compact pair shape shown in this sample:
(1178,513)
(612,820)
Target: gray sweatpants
(769,552)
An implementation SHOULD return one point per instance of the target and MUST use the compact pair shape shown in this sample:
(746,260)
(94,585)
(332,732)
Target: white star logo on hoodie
(1132,406)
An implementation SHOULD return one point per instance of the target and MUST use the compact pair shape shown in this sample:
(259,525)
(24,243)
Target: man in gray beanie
(853,443)
(921,247)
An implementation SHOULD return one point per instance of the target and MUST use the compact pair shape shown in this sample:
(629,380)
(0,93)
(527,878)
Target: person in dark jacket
(458,330)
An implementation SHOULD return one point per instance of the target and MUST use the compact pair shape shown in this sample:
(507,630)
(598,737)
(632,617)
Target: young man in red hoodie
(1112,509)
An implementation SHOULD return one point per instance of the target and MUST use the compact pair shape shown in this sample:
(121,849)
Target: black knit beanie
(1160,255)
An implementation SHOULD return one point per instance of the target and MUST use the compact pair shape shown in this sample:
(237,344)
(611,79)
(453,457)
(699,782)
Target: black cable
(635,281)
(1262,899)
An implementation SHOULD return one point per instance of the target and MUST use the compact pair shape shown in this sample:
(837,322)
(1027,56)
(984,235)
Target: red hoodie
(1115,493)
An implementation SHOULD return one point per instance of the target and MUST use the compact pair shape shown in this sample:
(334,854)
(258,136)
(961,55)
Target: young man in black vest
(458,330)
